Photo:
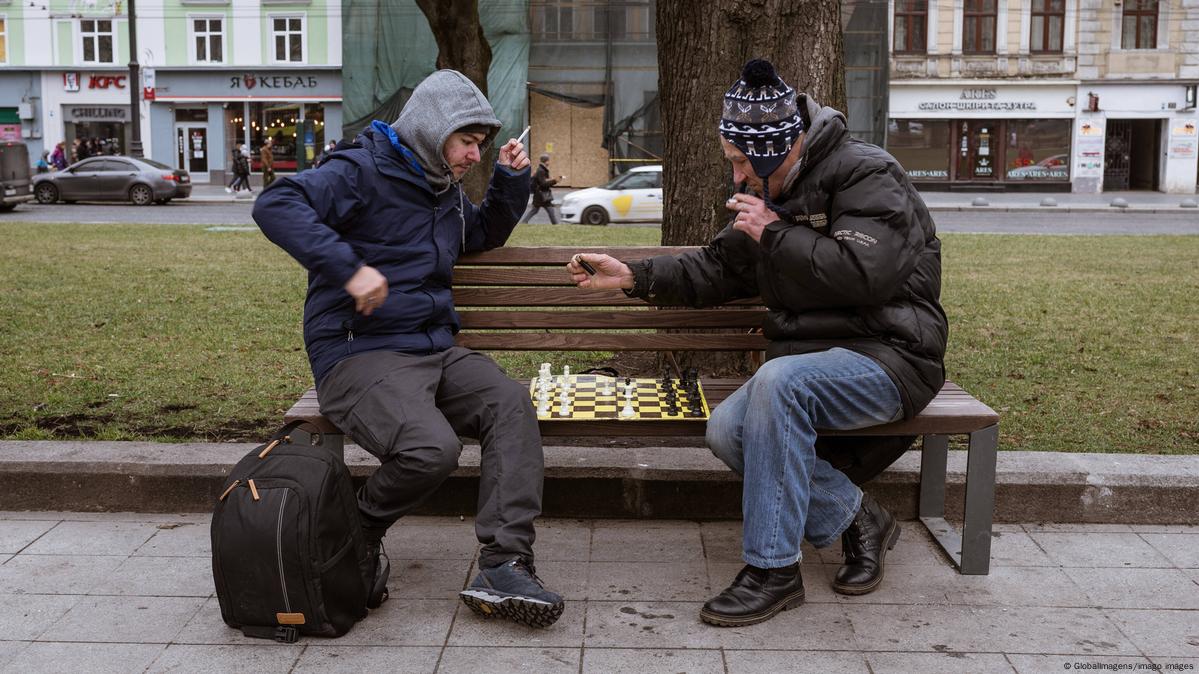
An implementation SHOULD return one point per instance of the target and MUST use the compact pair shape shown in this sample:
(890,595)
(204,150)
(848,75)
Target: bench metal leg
(980,501)
(970,550)
(933,458)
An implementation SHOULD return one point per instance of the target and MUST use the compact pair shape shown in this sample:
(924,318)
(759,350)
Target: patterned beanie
(760,117)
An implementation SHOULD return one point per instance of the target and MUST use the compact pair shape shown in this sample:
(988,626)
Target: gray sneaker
(512,590)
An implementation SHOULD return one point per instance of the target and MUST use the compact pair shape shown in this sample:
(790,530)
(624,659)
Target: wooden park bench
(520,299)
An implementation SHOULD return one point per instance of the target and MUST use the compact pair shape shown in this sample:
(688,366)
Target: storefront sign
(10,132)
(929,101)
(249,81)
(70,81)
(1088,150)
(1184,141)
(106,81)
(95,113)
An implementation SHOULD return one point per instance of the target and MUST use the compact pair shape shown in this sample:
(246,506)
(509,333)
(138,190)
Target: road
(237,214)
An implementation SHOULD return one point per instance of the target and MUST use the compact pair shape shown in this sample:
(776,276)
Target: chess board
(587,401)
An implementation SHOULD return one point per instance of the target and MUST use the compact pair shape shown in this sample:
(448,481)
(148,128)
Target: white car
(634,196)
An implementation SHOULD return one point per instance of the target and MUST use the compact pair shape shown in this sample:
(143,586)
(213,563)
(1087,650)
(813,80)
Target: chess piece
(627,412)
(607,391)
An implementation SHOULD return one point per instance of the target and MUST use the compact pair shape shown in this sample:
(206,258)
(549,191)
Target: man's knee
(435,459)
(721,436)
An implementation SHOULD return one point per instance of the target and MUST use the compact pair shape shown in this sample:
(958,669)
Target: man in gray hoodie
(379,227)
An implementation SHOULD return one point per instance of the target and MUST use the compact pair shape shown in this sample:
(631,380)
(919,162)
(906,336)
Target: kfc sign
(106,81)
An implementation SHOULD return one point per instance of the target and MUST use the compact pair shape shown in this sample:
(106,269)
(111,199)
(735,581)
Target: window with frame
(978,27)
(208,39)
(1139,24)
(3,39)
(911,26)
(555,20)
(1048,25)
(610,19)
(97,40)
(288,36)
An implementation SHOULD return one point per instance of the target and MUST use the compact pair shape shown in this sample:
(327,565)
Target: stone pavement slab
(1060,597)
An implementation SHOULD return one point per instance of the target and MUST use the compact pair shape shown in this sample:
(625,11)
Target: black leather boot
(376,568)
(864,545)
(755,595)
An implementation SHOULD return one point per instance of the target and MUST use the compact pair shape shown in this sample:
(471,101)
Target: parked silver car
(113,178)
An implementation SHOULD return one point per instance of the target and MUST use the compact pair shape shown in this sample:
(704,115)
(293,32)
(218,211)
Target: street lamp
(135,87)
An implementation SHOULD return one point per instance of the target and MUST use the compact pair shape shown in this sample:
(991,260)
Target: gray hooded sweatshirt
(440,105)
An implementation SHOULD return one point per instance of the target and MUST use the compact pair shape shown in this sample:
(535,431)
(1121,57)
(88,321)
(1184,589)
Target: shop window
(978,27)
(1139,26)
(97,40)
(1038,150)
(208,39)
(287,34)
(911,26)
(1048,21)
(921,146)
(3,39)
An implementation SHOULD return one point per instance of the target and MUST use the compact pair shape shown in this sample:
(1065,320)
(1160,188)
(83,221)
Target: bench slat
(554,297)
(512,276)
(560,255)
(613,320)
(592,341)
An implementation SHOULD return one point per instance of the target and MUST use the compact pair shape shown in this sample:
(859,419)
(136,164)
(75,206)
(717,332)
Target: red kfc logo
(106,81)
(249,80)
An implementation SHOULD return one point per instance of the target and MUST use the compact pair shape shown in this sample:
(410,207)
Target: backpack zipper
(279,551)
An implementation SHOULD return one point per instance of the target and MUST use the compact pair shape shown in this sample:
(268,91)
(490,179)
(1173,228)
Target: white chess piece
(607,391)
(627,412)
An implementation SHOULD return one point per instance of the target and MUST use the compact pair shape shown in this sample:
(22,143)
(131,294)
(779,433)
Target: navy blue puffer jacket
(371,205)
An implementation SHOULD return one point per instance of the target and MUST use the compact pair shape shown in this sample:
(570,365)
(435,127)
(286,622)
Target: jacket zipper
(279,552)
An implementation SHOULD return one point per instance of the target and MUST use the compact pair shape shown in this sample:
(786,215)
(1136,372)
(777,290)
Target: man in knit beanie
(830,233)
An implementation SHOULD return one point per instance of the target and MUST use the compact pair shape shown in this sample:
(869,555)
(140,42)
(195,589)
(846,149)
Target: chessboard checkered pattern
(587,401)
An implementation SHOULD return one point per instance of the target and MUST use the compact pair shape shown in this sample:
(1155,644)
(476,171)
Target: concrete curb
(640,482)
(1142,210)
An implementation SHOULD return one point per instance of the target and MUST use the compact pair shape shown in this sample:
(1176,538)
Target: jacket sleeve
(488,226)
(719,272)
(874,242)
(305,214)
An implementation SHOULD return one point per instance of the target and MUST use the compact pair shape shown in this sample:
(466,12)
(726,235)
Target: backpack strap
(285,634)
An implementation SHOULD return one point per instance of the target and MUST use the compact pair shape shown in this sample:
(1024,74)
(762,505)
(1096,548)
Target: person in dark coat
(379,227)
(543,196)
(829,231)
(240,164)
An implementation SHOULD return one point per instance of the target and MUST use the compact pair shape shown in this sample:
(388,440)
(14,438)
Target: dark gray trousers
(409,411)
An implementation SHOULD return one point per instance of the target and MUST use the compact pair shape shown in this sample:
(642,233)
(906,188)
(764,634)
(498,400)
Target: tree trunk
(701,48)
(462,46)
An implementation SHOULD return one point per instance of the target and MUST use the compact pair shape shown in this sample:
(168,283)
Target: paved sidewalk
(133,593)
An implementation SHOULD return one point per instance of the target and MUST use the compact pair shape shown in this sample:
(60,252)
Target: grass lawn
(176,333)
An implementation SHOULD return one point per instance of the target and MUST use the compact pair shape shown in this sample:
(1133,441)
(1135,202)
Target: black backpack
(286,543)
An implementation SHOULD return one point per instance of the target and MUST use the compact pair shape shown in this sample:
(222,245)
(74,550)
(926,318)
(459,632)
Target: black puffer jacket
(859,265)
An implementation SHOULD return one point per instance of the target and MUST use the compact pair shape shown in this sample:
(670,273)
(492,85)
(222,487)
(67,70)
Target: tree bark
(462,46)
(702,47)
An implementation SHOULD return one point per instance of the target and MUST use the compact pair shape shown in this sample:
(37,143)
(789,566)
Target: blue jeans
(766,432)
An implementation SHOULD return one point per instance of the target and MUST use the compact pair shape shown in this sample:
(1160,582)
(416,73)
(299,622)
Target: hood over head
(441,104)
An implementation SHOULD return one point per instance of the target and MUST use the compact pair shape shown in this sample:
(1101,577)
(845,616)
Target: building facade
(1056,95)
(214,73)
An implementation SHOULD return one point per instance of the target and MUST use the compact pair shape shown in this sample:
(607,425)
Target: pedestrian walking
(543,196)
(59,157)
(266,157)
